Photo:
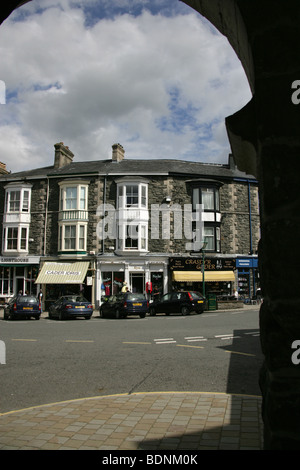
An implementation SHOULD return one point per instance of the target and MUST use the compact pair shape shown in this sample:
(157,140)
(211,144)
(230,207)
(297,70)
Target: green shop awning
(63,273)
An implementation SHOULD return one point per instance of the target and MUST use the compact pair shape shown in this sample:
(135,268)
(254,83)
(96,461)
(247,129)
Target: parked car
(71,306)
(124,304)
(22,306)
(179,302)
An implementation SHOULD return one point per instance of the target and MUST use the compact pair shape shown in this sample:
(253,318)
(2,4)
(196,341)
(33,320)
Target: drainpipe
(46,217)
(104,202)
(250,233)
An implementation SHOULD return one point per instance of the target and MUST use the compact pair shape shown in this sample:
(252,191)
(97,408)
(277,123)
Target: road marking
(242,354)
(78,341)
(189,346)
(135,342)
(164,341)
(192,339)
(21,339)
(221,336)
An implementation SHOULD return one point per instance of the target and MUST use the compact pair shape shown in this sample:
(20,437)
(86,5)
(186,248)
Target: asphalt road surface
(48,360)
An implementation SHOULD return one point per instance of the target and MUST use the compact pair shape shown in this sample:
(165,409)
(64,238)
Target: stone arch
(265,141)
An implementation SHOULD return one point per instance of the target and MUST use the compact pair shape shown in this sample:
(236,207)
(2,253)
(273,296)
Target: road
(49,361)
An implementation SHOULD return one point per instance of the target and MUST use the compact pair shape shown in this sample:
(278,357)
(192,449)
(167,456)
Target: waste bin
(212,302)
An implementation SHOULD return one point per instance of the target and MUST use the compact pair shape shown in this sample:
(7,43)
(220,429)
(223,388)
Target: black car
(123,304)
(71,306)
(22,306)
(179,302)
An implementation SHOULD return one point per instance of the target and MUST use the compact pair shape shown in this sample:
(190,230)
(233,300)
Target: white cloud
(92,86)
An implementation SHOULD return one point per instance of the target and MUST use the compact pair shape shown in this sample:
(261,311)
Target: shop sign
(20,260)
(195,264)
(247,263)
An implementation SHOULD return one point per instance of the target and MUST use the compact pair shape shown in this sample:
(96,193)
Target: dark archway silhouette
(265,141)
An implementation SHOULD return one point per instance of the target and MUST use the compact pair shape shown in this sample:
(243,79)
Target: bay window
(73,217)
(206,199)
(15,239)
(132,215)
(16,218)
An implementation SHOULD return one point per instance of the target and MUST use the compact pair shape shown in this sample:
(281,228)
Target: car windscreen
(196,295)
(75,298)
(27,299)
(135,297)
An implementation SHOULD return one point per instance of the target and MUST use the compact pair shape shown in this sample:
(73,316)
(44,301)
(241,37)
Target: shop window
(112,283)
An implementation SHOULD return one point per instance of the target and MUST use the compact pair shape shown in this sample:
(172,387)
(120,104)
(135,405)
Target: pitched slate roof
(153,167)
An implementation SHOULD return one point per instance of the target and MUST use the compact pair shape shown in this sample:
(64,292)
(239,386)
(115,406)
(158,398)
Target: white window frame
(63,242)
(18,248)
(74,214)
(23,202)
(132,217)
(63,199)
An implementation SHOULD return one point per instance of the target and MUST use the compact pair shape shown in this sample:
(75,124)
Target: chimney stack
(63,155)
(3,170)
(117,153)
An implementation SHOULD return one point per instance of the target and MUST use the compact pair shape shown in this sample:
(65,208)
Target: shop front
(64,278)
(142,275)
(207,275)
(18,274)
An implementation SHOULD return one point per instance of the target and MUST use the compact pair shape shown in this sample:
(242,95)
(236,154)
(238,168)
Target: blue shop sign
(247,263)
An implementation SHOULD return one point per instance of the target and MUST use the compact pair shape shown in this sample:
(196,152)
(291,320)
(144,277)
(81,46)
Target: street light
(203,266)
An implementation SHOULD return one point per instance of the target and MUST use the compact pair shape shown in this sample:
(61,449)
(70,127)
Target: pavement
(154,421)
(162,421)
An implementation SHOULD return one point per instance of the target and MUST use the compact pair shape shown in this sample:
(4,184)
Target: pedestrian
(259,295)
(40,297)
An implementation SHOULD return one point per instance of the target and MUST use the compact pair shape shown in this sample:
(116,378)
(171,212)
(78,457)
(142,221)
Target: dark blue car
(22,306)
(124,304)
(71,306)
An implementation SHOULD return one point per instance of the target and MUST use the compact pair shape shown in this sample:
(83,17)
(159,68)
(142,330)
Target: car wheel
(101,314)
(142,315)
(185,311)
(88,318)
(152,312)
(118,314)
(37,317)
(5,316)
(61,316)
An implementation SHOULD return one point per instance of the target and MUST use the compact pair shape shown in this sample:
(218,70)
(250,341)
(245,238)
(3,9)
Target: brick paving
(143,421)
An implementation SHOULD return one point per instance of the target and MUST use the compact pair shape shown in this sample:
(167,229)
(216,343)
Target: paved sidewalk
(144,421)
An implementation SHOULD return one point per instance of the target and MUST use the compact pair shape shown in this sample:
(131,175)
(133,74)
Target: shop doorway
(137,282)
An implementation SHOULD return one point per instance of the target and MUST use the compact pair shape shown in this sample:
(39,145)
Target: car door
(110,305)
(164,304)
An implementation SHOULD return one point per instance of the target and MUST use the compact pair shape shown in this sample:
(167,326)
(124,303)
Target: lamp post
(203,267)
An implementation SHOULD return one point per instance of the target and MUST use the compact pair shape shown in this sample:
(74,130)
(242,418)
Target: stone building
(92,226)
